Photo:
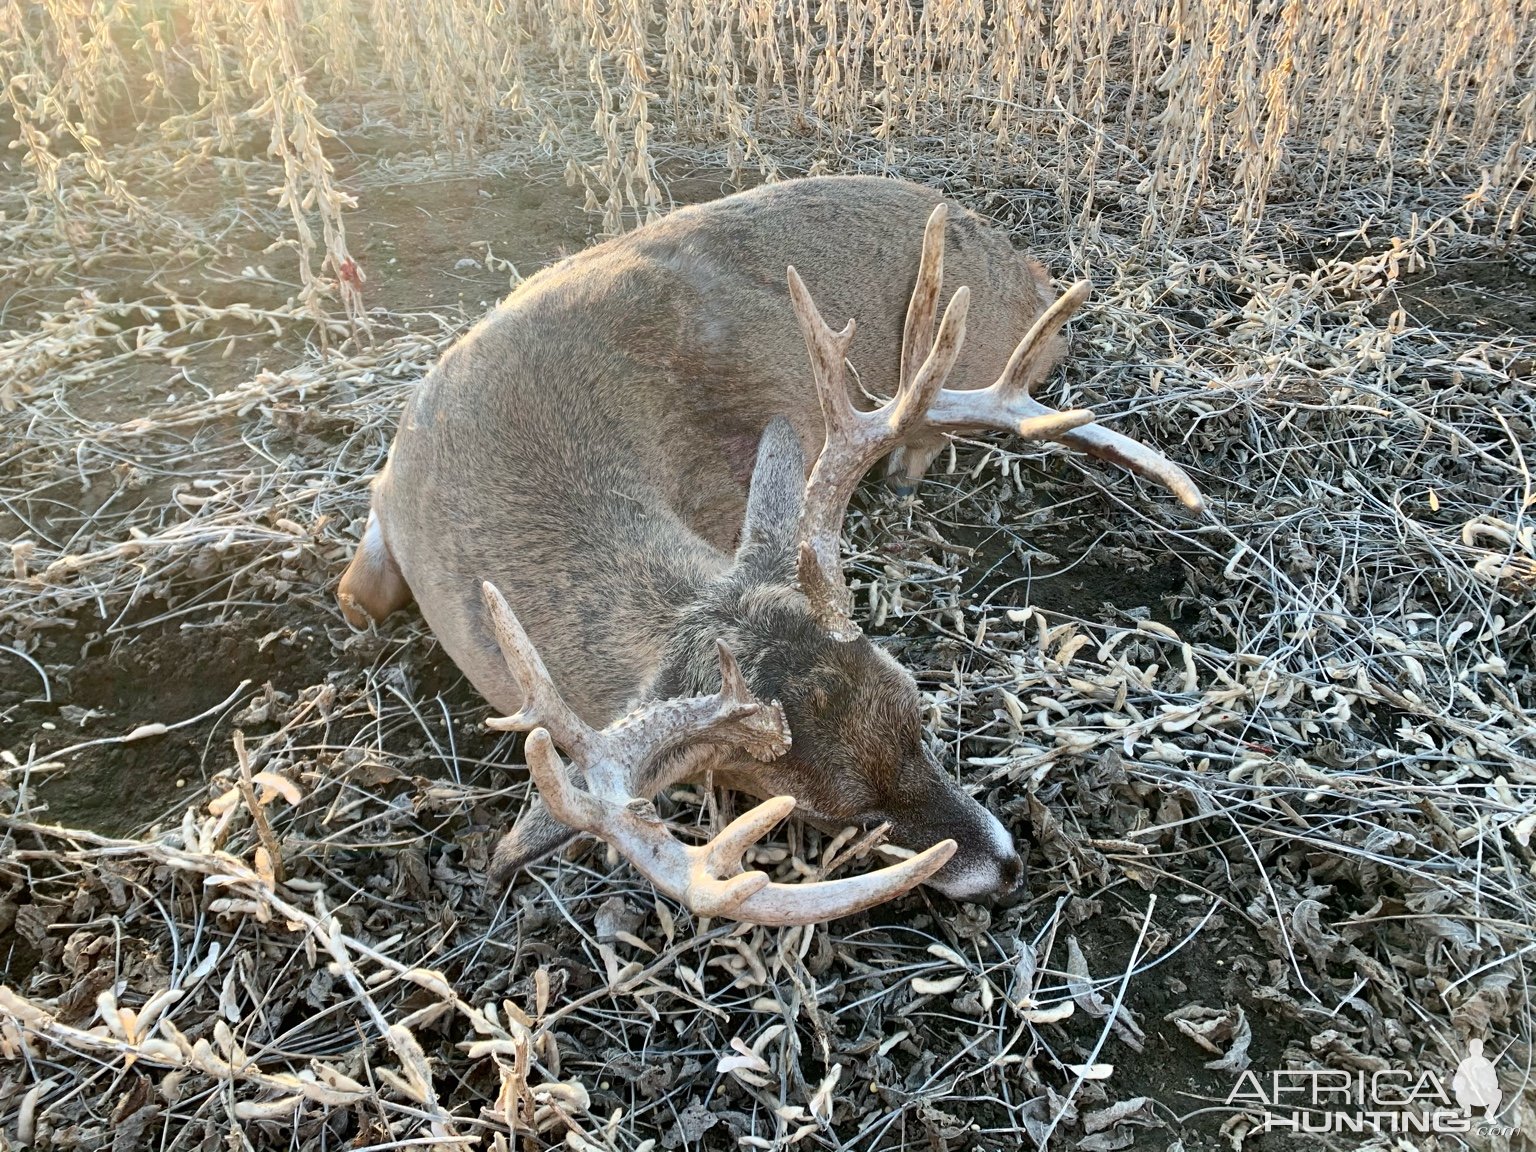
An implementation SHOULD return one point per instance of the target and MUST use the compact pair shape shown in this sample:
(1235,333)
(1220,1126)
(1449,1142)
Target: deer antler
(707,878)
(856,439)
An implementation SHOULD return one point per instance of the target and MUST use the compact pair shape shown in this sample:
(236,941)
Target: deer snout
(986,861)
(988,865)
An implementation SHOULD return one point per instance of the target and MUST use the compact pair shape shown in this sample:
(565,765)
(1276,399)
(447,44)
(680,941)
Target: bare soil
(1486,297)
(423,246)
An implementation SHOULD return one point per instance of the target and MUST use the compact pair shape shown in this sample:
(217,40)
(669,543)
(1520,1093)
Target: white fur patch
(982,876)
(977,880)
(1002,842)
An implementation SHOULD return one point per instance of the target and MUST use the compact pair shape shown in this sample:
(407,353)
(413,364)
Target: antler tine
(543,706)
(917,395)
(723,854)
(733,686)
(917,331)
(1097,440)
(1016,375)
(828,351)
(768,724)
(570,805)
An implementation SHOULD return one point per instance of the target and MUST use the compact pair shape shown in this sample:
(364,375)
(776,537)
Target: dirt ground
(101,671)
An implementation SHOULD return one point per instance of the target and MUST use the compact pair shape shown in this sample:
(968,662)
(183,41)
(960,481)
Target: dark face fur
(858,754)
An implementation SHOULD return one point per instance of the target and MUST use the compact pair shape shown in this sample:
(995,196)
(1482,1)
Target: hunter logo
(1476,1084)
(1389,1100)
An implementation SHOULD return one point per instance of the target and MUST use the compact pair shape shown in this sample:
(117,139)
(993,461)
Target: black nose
(1011,874)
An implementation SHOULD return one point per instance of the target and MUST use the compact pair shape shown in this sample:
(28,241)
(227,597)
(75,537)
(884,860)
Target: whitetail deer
(620,448)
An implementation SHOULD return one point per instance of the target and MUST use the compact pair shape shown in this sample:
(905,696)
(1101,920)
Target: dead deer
(581,450)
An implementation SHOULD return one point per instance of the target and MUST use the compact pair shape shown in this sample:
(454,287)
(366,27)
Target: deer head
(766,681)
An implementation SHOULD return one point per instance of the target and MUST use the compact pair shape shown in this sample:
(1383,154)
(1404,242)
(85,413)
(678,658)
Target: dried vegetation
(1279,766)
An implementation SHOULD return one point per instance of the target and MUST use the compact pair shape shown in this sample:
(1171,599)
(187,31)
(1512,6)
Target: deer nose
(1010,874)
(1013,884)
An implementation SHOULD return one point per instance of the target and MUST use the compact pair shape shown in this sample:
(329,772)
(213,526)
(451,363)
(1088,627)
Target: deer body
(621,449)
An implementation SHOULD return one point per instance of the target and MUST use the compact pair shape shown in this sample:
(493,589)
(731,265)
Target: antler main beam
(707,878)
(855,439)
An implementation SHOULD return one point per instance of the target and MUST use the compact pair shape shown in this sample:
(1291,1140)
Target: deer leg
(905,466)
(372,586)
(535,835)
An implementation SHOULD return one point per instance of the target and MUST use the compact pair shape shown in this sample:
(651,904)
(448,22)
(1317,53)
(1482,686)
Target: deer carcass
(599,500)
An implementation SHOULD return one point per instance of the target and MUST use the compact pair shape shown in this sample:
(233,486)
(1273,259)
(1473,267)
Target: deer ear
(535,835)
(777,492)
